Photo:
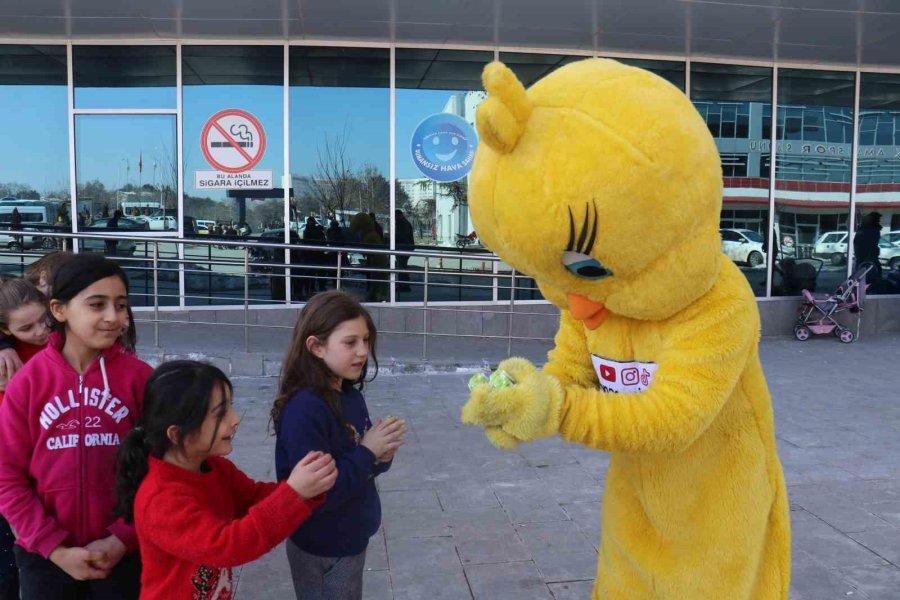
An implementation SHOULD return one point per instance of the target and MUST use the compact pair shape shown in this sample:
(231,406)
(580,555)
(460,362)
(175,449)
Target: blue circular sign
(443,147)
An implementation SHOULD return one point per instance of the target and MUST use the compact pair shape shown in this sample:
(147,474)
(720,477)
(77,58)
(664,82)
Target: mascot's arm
(705,352)
(569,362)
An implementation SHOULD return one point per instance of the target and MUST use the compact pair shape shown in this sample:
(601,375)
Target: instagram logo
(631,376)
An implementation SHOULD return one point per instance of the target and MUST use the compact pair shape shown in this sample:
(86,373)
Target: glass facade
(124,76)
(340,115)
(34,170)
(222,86)
(736,103)
(437,82)
(293,144)
(877,203)
(813,165)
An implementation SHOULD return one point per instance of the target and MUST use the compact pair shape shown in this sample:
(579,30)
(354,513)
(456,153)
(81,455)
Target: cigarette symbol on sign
(239,131)
(233,141)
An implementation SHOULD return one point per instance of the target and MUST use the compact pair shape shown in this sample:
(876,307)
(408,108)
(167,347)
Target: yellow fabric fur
(695,506)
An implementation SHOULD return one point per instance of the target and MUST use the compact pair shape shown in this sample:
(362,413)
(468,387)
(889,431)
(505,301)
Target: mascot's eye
(584,266)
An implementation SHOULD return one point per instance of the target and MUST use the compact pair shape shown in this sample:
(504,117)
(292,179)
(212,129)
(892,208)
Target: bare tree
(371,191)
(267,212)
(18,190)
(333,182)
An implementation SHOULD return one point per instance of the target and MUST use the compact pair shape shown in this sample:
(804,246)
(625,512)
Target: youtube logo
(608,373)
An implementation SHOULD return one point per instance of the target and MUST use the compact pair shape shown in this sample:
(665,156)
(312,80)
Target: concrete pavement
(465,521)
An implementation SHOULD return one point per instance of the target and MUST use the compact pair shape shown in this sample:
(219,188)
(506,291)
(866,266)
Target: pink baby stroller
(818,311)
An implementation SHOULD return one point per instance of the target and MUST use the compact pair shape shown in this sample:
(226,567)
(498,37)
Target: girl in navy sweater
(320,408)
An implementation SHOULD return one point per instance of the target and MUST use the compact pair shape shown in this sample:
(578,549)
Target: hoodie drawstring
(103,372)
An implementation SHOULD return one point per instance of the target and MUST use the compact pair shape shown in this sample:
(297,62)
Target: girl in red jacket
(196,514)
(23,318)
(61,423)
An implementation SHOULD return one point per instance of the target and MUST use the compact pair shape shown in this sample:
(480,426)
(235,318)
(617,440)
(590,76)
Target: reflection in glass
(340,152)
(670,70)
(814,132)
(124,76)
(249,79)
(126,181)
(877,237)
(530,68)
(438,82)
(736,103)
(34,158)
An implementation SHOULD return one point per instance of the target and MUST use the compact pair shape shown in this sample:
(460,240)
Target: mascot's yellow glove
(528,410)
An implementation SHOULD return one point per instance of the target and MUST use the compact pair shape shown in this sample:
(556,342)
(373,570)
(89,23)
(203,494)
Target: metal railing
(252,268)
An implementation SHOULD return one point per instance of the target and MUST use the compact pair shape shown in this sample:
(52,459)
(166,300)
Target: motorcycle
(463,241)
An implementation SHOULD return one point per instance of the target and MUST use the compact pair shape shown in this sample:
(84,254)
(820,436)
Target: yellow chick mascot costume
(603,184)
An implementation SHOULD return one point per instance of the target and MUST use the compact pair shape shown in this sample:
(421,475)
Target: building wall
(127,126)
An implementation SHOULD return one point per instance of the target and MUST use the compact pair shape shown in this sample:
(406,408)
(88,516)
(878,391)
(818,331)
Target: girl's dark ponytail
(176,395)
(133,463)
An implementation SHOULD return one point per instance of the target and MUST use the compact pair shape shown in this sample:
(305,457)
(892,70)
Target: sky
(109,147)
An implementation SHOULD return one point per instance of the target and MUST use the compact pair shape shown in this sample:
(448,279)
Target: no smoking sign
(233,142)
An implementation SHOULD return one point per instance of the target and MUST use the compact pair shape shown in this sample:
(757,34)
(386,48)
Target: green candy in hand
(477,379)
(501,379)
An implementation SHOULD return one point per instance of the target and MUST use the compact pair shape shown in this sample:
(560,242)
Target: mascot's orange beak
(591,313)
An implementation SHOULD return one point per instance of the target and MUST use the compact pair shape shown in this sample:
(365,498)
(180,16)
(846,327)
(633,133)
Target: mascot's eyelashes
(577,259)
(570,247)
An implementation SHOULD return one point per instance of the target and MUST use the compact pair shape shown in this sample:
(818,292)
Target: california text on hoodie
(59,434)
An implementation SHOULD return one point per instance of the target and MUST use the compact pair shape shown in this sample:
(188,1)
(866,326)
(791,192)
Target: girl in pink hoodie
(61,422)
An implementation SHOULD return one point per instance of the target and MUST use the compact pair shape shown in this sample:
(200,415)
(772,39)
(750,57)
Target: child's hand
(386,457)
(9,363)
(384,437)
(315,474)
(79,562)
(112,549)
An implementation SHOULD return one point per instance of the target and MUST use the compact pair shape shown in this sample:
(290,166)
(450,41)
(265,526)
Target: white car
(744,246)
(162,223)
(889,254)
(832,246)
(27,240)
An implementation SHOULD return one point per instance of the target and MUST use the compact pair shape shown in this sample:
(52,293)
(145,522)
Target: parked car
(889,254)
(163,223)
(124,247)
(124,223)
(832,246)
(30,239)
(744,246)
(892,237)
(274,255)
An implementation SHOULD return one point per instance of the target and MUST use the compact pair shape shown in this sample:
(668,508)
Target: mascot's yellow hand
(528,410)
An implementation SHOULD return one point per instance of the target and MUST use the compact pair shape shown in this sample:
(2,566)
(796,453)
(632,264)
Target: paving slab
(463,520)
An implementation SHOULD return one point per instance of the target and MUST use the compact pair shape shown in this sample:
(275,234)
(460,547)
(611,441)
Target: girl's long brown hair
(303,370)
